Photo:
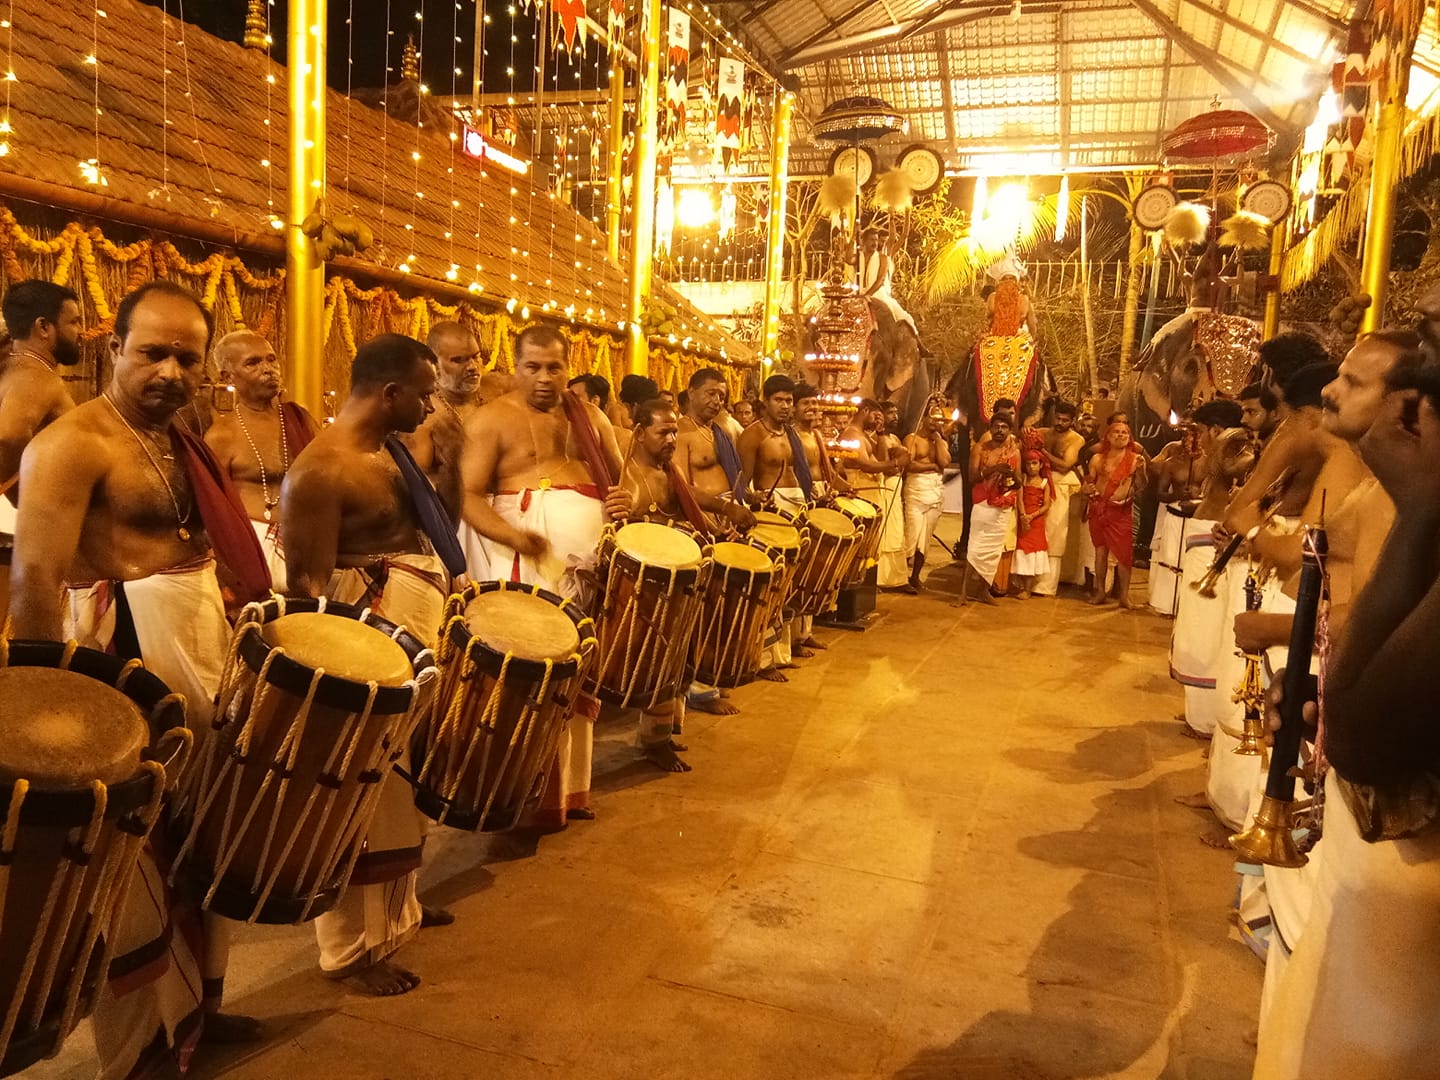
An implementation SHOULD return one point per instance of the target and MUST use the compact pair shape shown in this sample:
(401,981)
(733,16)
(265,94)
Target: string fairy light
(90,170)
(6,128)
(453,272)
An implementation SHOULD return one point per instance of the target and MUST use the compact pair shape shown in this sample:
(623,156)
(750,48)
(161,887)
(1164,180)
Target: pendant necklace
(180,519)
(49,365)
(654,504)
(264,477)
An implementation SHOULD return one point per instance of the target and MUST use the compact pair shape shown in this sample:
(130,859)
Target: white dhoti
(1230,778)
(570,519)
(990,530)
(890,560)
(268,533)
(1030,564)
(1196,637)
(158,984)
(924,495)
(477,562)
(1289,895)
(1359,997)
(1166,548)
(379,911)
(780,639)
(1057,533)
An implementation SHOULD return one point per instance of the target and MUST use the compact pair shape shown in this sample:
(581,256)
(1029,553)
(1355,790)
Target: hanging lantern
(859,119)
(1218,137)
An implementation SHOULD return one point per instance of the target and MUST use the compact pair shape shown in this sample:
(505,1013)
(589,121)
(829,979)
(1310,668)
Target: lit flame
(1174,418)
(954,414)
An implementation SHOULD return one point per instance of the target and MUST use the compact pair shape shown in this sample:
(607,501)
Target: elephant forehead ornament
(1231,346)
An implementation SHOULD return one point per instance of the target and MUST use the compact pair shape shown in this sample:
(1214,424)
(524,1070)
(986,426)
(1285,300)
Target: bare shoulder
(324,460)
(80,438)
(41,390)
(493,416)
(222,431)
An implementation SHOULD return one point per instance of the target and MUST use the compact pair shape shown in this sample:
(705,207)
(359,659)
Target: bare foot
(1024,594)
(811,643)
(666,759)
(229,1028)
(384,980)
(801,652)
(1190,733)
(1098,600)
(1198,801)
(771,674)
(714,705)
(579,813)
(678,747)
(1218,841)
(434,916)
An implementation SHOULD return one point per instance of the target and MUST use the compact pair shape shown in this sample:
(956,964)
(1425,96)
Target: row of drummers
(326,713)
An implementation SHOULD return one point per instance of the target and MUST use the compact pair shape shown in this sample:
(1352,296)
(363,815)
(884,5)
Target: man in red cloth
(1116,470)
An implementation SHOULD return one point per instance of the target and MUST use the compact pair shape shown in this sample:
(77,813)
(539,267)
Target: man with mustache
(44,335)
(439,442)
(257,440)
(662,494)
(538,473)
(124,519)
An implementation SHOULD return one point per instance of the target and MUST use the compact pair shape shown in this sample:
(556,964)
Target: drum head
(61,730)
(345,648)
(525,626)
(742,557)
(785,537)
(859,507)
(657,545)
(829,521)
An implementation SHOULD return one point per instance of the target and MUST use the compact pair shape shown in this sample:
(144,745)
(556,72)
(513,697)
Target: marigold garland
(224,276)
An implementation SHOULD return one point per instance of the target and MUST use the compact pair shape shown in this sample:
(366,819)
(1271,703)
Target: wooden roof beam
(816,49)
(1218,71)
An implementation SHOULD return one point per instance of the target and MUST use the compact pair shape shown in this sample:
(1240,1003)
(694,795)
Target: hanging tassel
(1187,223)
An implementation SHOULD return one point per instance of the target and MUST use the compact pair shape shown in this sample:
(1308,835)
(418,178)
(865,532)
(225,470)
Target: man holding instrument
(362,525)
(538,470)
(661,494)
(257,440)
(1359,995)
(879,462)
(767,458)
(124,517)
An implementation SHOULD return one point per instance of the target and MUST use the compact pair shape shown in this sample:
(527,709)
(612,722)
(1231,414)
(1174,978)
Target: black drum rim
(488,659)
(74,807)
(334,691)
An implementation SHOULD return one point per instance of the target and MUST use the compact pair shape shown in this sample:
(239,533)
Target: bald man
(257,440)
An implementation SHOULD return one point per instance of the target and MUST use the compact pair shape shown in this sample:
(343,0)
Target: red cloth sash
(223,514)
(589,442)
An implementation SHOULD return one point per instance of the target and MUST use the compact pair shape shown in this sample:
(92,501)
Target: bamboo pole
(1090,358)
(615,175)
(1380,220)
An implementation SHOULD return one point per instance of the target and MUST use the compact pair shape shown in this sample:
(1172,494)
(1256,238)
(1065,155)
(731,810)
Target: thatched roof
(176,122)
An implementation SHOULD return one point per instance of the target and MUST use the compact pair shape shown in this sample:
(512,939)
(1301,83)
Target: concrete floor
(949,847)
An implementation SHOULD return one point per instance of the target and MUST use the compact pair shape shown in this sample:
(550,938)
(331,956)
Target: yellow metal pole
(642,188)
(775,254)
(304,273)
(615,175)
(1279,236)
(1380,219)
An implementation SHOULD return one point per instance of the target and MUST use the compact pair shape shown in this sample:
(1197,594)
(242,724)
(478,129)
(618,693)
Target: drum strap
(223,514)
(434,518)
(125,643)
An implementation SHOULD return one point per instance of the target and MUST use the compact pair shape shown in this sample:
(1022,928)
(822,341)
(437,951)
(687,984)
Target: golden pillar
(775,252)
(1279,236)
(642,189)
(304,272)
(1380,218)
(615,172)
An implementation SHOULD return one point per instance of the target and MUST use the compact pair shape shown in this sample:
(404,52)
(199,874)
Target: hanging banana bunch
(343,235)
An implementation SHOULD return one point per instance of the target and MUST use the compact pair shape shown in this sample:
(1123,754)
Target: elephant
(1194,357)
(893,369)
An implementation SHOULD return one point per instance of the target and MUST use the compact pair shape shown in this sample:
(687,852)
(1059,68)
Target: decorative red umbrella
(1219,137)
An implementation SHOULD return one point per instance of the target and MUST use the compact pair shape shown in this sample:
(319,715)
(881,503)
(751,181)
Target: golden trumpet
(1251,691)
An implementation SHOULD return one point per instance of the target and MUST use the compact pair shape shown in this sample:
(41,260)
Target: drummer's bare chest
(146,493)
(375,497)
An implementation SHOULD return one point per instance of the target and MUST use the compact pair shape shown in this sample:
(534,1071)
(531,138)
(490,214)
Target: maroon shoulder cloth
(693,513)
(589,442)
(297,432)
(223,514)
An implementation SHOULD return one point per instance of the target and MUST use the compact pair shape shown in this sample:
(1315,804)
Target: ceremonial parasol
(1218,137)
(858,119)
